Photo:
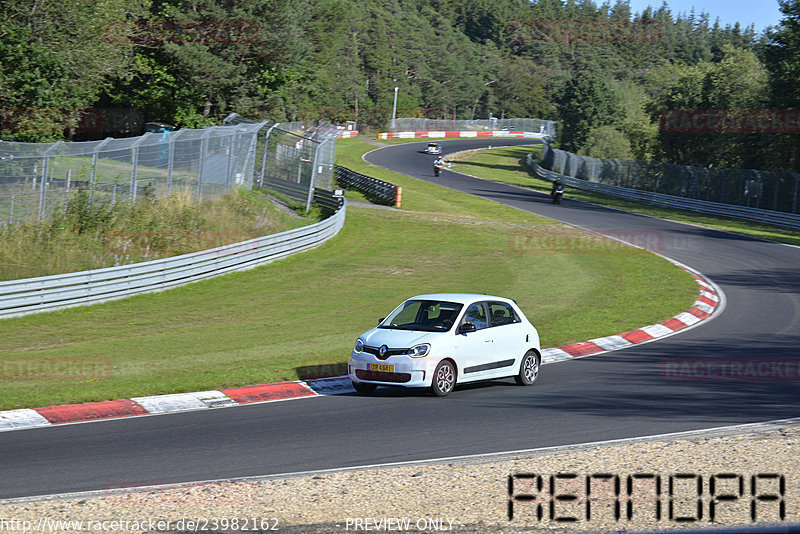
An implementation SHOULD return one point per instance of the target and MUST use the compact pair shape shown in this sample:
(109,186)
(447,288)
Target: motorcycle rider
(557,191)
(438,165)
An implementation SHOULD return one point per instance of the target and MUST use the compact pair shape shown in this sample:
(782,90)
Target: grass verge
(91,235)
(287,319)
(508,165)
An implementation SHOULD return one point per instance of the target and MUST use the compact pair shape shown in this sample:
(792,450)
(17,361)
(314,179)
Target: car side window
(476,314)
(502,313)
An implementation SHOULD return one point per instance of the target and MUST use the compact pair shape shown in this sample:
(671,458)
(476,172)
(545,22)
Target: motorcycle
(437,168)
(557,193)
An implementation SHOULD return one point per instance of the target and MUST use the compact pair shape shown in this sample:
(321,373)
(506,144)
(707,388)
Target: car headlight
(359,346)
(419,351)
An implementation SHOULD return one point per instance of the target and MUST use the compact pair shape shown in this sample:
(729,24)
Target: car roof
(461,298)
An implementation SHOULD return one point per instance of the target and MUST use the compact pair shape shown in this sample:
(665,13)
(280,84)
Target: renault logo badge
(382,350)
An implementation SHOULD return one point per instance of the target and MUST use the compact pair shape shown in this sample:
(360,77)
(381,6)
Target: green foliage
(738,81)
(607,142)
(192,62)
(586,103)
(57,59)
(782,55)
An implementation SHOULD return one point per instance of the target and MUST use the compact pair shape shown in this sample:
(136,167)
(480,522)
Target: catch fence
(37,179)
(776,191)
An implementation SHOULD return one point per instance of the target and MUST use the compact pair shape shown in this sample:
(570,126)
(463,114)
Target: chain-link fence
(547,128)
(298,158)
(37,179)
(777,191)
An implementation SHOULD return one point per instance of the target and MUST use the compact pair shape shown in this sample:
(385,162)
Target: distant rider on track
(438,165)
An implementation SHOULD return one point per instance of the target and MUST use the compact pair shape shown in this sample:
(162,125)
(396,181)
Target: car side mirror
(381,320)
(466,328)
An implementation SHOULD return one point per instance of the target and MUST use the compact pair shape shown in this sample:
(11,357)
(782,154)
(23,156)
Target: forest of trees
(604,73)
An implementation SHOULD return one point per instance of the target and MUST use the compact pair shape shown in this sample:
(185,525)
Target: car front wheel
(444,378)
(362,387)
(528,369)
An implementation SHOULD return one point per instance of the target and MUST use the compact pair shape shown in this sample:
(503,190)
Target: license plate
(381,367)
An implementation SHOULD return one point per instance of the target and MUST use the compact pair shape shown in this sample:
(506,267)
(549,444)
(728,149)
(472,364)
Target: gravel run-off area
(655,484)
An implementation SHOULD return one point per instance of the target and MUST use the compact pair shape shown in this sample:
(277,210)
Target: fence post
(135,164)
(43,188)
(95,157)
(777,186)
(203,156)
(313,177)
(249,168)
(171,157)
(264,160)
(230,167)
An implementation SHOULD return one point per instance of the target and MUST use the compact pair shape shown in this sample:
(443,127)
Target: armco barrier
(31,295)
(385,192)
(777,218)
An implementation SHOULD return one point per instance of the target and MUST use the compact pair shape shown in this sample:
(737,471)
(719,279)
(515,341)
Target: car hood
(397,338)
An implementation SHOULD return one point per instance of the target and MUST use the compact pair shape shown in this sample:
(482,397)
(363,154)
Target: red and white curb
(486,133)
(709,301)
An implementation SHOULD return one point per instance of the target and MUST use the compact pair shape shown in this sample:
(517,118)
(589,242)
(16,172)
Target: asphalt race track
(616,395)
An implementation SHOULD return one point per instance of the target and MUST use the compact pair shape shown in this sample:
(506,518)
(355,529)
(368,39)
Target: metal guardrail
(46,293)
(777,218)
(384,192)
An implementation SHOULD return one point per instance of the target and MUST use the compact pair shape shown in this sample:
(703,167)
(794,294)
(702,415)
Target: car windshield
(423,315)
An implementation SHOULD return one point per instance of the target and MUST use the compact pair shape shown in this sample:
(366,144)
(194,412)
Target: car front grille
(375,351)
(383,376)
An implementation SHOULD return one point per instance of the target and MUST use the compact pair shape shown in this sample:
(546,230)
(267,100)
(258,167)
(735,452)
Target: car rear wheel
(528,369)
(444,378)
(364,388)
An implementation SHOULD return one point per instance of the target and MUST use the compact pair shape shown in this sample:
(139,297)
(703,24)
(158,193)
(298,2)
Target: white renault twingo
(440,340)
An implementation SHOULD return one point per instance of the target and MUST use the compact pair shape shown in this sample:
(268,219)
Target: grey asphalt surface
(616,395)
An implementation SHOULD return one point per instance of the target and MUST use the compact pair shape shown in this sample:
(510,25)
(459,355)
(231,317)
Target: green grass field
(508,165)
(279,321)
